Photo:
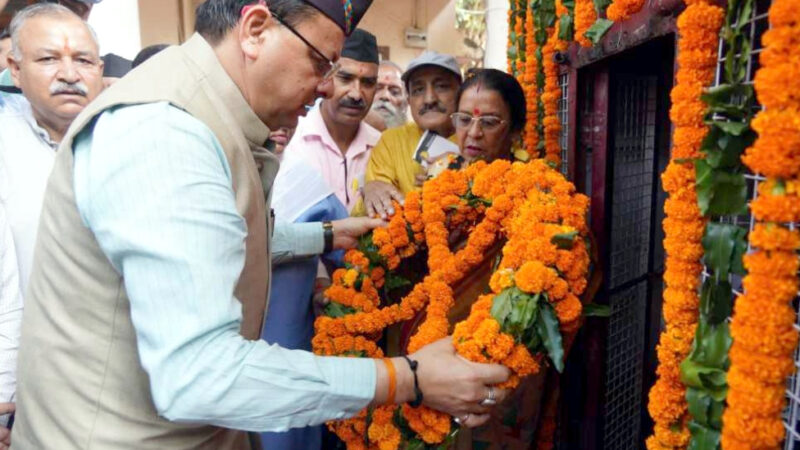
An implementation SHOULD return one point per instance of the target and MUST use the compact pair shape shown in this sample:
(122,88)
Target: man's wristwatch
(327,235)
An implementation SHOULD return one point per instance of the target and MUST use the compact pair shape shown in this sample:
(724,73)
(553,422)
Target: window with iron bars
(563,116)
(757,24)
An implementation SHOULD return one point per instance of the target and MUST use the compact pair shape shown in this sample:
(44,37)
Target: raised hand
(347,231)
(378,196)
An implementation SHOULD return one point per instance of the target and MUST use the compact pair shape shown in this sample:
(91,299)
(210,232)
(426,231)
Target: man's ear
(13,67)
(256,19)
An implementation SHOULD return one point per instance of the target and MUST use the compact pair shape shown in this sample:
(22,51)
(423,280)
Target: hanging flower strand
(764,337)
(698,29)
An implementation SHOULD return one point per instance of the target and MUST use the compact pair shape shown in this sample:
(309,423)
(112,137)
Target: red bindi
(476,112)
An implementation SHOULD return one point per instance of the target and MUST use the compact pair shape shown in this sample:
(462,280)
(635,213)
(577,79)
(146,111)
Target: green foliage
(337,310)
(547,326)
(598,29)
(595,310)
(394,281)
(566,28)
(600,6)
(532,321)
(564,241)
(721,191)
(724,246)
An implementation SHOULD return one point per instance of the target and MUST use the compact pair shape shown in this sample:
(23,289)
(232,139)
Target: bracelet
(327,235)
(392,381)
(417,392)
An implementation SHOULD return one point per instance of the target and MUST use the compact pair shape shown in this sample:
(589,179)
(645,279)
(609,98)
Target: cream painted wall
(388,19)
(171,21)
(159,22)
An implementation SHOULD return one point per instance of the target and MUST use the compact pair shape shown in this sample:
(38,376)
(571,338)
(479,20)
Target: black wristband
(327,235)
(417,392)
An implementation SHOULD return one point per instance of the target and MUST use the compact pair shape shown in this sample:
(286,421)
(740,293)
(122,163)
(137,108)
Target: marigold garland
(550,97)
(529,85)
(698,29)
(623,9)
(531,205)
(585,17)
(763,321)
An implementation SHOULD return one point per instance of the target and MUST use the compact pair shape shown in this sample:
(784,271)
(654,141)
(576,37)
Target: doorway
(623,143)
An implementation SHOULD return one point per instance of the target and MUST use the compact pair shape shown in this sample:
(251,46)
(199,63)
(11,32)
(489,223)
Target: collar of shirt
(41,133)
(314,127)
(18,105)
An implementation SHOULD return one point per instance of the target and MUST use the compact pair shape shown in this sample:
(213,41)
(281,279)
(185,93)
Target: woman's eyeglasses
(323,66)
(486,123)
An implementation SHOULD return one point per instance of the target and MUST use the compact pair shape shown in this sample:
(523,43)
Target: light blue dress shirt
(158,198)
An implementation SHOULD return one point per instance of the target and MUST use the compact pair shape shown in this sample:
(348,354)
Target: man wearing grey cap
(432,82)
(152,272)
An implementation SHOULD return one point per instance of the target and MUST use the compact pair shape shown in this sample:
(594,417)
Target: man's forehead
(355,67)
(60,32)
(389,75)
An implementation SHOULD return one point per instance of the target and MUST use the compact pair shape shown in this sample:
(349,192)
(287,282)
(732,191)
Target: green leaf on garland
(337,310)
(704,184)
(724,245)
(600,6)
(716,301)
(739,250)
(710,379)
(564,241)
(703,437)
(415,444)
(395,281)
(523,314)
(720,192)
(548,327)
(718,245)
(566,28)
(734,128)
(569,4)
(724,150)
(596,310)
(699,404)
(598,29)
(501,306)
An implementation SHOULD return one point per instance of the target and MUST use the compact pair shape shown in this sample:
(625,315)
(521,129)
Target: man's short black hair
(215,18)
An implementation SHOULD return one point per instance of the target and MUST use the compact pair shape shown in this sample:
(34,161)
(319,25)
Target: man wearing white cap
(432,81)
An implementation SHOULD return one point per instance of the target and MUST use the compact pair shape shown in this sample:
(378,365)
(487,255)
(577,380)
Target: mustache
(348,102)
(386,106)
(78,88)
(432,107)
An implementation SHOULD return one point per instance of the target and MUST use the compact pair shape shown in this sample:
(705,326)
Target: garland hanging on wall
(531,136)
(585,17)
(721,191)
(698,30)
(763,320)
(623,9)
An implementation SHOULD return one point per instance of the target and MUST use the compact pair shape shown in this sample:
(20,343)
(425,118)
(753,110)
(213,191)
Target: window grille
(563,116)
